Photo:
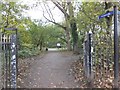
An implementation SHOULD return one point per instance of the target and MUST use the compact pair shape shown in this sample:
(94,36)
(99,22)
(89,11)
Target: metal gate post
(13,62)
(90,57)
(6,62)
(116,62)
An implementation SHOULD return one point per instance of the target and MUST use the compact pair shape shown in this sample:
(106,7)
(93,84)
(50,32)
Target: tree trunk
(70,23)
(73,27)
(75,38)
(68,39)
(63,9)
(67,31)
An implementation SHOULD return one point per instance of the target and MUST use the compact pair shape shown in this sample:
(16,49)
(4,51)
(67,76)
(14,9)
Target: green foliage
(27,52)
(55,35)
(102,40)
(46,36)
(37,36)
(87,19)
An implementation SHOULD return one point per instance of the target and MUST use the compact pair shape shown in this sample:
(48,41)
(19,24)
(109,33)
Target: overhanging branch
(61,9)
(53,21)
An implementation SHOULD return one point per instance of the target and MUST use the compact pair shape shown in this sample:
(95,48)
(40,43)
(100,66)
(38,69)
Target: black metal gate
(9,60)
(88,62)
(104,63)
(99,60)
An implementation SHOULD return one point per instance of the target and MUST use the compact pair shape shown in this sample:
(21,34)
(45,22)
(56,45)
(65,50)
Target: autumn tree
(64,26)
(70,22)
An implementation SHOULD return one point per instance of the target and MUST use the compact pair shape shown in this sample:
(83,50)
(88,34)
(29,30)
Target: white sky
(37,12)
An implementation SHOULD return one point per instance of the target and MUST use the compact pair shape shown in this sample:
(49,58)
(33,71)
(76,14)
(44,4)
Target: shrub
(27,52)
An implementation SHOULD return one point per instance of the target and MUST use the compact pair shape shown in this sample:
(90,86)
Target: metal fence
(99,60)
(102,65)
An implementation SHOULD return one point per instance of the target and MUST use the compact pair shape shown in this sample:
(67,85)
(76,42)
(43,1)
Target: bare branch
(49,12)
(53,21)
(61,8)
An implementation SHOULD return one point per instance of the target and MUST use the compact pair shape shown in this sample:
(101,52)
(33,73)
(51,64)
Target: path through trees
(51,71)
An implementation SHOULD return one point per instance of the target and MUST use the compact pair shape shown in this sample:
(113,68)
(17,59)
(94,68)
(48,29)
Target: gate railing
(8,51)
(99,60)
(5,50)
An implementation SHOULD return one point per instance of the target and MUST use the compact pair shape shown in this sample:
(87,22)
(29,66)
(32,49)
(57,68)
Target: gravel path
(51,71)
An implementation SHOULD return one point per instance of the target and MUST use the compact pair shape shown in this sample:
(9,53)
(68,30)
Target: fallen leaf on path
(51,83)
(54,86)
